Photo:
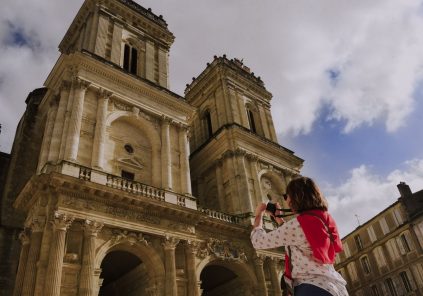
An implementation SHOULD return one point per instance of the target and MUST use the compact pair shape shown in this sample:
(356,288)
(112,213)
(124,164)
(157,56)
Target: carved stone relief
(221,249)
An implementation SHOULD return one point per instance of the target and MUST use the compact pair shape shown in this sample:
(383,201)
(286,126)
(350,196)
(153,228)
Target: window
(398,217)
(358,242)
(128,175)
(366,264)
(371,233)
(384,225)
(391,287)
(129,148)
(380,257)
(392,248)
(375,291)
(352,271)
(346,250)
(404,243)
(208,124)
(251,121)
(406,281)
(130,59)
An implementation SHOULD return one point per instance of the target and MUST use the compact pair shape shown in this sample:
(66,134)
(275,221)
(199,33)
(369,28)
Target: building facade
(384,256)
(118,186)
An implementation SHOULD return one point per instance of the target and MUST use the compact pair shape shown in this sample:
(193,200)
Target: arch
(151,134)
(139,121)
(154,265)
(241,269)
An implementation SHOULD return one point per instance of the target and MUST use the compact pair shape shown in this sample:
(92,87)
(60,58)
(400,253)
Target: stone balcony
(137,188)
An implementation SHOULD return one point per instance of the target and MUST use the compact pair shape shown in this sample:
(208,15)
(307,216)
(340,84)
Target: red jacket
(323,246)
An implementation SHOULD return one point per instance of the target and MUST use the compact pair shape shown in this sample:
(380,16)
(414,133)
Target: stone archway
(120,270)
(129,269)
(224,278)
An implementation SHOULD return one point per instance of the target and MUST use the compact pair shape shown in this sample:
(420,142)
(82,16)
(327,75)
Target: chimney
(404,190)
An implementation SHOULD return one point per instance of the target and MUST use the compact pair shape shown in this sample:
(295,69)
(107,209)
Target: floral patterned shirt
(306,270)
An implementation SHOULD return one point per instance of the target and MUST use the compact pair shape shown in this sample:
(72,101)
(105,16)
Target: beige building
(118,186)
(384,256)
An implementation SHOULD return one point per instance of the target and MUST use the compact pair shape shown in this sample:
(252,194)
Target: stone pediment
(134,162)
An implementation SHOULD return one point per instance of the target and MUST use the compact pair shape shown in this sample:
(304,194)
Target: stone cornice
(87,64)
(151,23)
(232,72)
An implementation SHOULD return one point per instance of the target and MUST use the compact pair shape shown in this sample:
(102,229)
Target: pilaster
(191,249)
(25,240)
(59,122)
(274,278)
(166,154)
(184,157)
(261,279)
(97,159)
(33,255)
(87,279)
(75,122)
(61,223)
(169,245)
(48,131)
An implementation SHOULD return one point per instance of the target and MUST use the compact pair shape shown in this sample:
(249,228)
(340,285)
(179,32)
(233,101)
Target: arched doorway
(123,273)
(225,279)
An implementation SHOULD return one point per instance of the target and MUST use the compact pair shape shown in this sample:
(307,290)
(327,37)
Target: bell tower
(124,34)
(236,161)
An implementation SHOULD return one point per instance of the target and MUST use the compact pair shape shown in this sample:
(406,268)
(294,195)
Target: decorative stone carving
(24,237)
(120,236)
(182,227)
(170,242)
(92,228)
(62,221)
(121,106)
(221,249)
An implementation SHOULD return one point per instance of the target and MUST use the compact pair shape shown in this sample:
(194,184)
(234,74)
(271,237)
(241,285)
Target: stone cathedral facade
(118,186)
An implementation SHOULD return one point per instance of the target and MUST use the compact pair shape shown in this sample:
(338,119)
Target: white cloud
(366,194)
(375,45)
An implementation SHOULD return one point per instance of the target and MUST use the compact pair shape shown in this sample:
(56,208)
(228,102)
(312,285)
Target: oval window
(129,148)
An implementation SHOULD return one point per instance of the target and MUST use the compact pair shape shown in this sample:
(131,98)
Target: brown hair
(305,195)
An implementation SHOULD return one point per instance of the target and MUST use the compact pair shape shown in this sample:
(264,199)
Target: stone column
(166,154)
(67,118)
(271,126)
(261,279)
(169,245)
(59,122)
(75,121)
(220,188)
(243,189)
(87,281)
(264,122)
(185,171)
(93,29)
(97,159)
(48,131)
(190,251)
(60,223)
(255,172)
(33,255)
(276,284)
(23,237)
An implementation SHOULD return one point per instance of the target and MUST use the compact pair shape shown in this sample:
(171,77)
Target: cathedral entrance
(122,273)
(220,279)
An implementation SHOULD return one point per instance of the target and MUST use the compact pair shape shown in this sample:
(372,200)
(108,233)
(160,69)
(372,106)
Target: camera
(271,207)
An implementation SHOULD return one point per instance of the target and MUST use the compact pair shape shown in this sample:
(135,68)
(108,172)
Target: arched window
(251,121)
(208,124)
(130,58)
(365,264)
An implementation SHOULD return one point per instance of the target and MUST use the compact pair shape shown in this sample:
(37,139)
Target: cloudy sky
(346,78)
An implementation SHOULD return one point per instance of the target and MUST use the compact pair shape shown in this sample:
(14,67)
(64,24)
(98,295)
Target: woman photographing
(311,241)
